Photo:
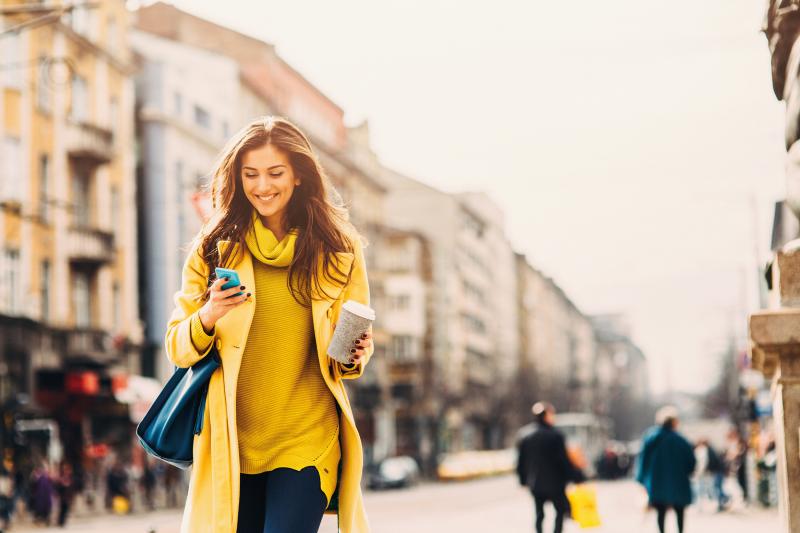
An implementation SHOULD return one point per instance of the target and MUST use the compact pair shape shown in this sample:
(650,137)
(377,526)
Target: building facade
(69,321)
(558,346)
(622,384)
(464,306)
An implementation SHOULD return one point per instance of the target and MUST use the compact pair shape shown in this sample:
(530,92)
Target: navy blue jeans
(281,501)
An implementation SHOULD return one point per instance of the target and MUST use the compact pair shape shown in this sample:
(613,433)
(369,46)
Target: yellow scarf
(264,246)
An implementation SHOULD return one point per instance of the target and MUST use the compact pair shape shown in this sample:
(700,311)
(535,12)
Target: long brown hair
(323,224)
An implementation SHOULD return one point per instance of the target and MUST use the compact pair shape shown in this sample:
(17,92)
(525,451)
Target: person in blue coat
(665,465)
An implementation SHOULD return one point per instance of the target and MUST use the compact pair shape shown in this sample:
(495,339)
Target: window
(403,348)
(44,283)
(79,110)
(10,282)
(473,291)
(81,299)
(113,114)
(115,207)
(201,117)
(12,179)
(80,20)
(178,103)
(11,46)
(473,224)
(80,200)
(180,228)
(44,186)
(399,302)
(111,36)
(43,89)
(202,181)
(474,323)
(116,303)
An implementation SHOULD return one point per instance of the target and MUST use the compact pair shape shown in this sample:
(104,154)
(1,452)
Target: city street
(495,504)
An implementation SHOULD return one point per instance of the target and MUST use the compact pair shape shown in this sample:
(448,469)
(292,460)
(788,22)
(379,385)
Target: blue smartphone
(233,278)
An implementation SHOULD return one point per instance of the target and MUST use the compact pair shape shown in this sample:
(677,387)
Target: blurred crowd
(49,494)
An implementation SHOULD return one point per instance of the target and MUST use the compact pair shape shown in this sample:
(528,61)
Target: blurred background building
(70,331)
(111,123)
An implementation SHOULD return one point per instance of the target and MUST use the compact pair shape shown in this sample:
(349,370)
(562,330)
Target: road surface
(495,504)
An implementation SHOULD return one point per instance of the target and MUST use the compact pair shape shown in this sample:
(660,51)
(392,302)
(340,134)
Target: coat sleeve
(691,460)
(568,470)
(522,466)
(357,289)
(643,461)
(181,345)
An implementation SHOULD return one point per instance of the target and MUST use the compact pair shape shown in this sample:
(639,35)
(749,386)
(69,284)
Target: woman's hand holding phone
(220,301)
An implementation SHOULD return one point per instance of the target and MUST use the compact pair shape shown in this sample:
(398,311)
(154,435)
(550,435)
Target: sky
(635,147)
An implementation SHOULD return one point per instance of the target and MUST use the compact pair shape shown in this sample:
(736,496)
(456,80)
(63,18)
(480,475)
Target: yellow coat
(212,504)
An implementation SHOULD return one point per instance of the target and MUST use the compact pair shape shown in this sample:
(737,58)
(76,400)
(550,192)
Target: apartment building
(69,319)
(464,276)
(558,345)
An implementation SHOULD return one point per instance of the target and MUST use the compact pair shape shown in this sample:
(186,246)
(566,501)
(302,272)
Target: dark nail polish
(248,295)
(364,336)
(352,361)
(353,350)
(356,341)
(241,288)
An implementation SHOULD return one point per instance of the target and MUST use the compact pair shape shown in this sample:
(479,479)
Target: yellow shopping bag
(583,502)
(120,505)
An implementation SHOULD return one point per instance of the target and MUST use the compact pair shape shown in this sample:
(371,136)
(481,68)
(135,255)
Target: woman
(665,467)
(280,436)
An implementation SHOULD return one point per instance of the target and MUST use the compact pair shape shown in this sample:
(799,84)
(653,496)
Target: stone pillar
(775,350)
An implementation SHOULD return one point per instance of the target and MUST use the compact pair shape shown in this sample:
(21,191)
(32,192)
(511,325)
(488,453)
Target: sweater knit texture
(286,415)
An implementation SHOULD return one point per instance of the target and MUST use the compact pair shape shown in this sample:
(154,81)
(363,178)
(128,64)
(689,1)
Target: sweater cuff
(202,341)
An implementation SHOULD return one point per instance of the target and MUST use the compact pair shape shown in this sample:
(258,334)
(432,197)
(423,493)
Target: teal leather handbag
(167,430)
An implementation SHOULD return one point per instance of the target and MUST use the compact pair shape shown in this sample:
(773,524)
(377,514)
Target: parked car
(393,473)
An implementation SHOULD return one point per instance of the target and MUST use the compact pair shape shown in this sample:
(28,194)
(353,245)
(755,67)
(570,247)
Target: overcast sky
(636,147)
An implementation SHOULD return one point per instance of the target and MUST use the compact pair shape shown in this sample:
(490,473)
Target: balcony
(89,345)
(90,245)
(89,141)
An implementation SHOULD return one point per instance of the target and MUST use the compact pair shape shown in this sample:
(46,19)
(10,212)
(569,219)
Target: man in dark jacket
(543,465)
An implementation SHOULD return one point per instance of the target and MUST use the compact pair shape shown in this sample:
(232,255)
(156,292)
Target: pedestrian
(272,462)
(65,486)
(117,484)
(6,497)
(544,466)
(665,466)
(736,456)
(171,474)
(710,473)
(148,482)
(42,493)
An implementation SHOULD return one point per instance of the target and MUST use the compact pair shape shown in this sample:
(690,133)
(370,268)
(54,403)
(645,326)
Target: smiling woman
(273,462)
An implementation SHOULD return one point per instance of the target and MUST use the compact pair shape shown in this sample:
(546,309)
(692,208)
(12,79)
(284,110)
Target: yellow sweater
(286,415)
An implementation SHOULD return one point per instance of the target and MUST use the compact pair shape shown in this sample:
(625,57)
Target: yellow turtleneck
(286,415)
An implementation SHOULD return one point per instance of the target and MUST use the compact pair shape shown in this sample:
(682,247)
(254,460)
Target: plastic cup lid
(359,309)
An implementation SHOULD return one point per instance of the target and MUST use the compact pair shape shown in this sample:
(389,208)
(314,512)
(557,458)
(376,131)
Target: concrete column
(775,343)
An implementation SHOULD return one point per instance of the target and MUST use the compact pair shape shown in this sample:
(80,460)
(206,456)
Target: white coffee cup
(354,320)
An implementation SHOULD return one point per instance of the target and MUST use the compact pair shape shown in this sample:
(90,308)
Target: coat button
(218,344)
